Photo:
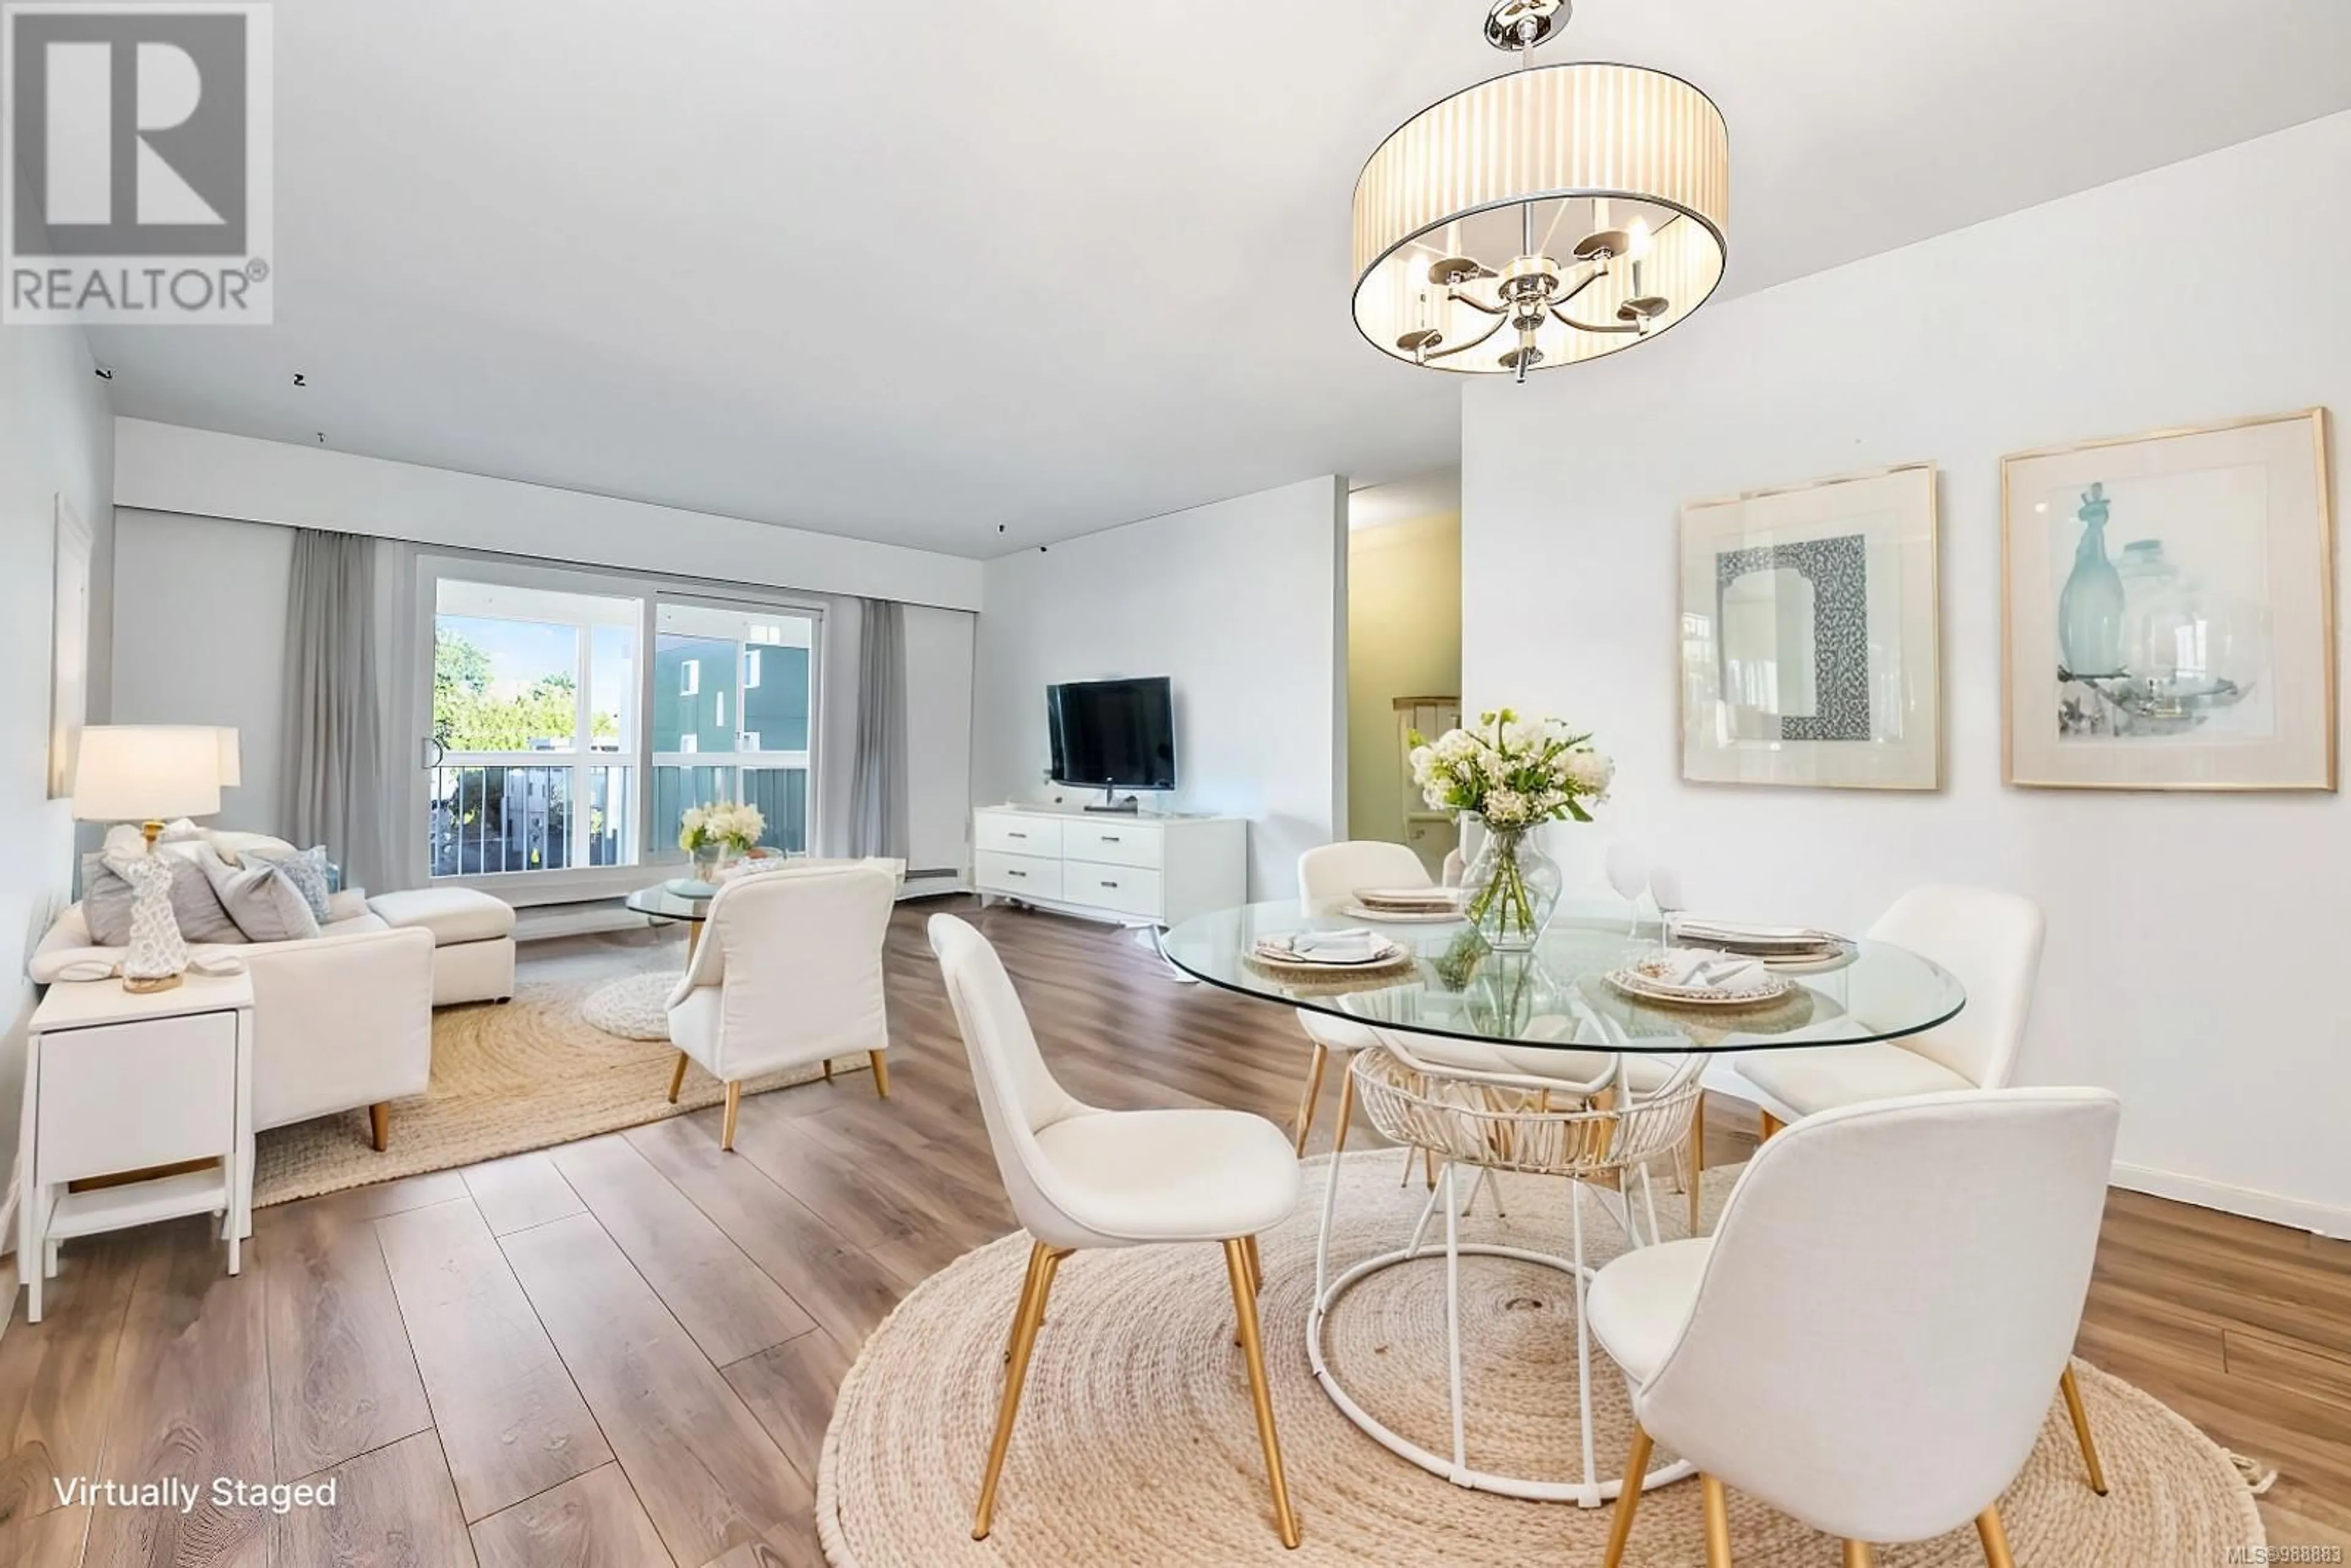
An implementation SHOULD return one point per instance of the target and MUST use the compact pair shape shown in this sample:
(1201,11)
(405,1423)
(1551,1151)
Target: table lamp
(147,773)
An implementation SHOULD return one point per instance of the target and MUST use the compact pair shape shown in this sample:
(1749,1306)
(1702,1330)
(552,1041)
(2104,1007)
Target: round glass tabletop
(663,904)
(1558,996)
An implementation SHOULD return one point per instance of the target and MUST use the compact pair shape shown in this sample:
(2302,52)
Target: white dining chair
(1867,1341)
(1990,943)
(1328,877)
(1081,1177)
(787,974)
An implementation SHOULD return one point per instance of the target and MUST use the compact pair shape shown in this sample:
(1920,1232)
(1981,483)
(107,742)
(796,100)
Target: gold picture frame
(1847,571)
(2220,653)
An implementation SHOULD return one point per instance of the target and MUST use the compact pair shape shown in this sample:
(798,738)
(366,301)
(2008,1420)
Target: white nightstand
(120,1081)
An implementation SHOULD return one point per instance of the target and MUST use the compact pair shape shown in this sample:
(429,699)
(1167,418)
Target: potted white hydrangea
(715,834)
(1514,775)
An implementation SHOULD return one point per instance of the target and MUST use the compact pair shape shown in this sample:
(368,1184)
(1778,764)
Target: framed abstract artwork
(1809,635)
(2169,610)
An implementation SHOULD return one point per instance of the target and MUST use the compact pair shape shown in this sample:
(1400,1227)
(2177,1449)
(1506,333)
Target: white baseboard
(2321,1218)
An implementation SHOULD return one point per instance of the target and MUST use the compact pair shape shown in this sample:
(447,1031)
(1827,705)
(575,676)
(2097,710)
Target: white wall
(1242,603)
(201,628)
(171,468)
(2188,934)
(55,434)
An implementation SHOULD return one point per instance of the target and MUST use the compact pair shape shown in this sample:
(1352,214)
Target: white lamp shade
(140,772)
(231,772)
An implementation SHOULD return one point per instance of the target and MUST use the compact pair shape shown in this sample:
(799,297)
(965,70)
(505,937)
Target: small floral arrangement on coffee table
(727,827)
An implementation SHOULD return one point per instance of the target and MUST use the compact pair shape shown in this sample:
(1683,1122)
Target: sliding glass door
(559,754)
(734,708)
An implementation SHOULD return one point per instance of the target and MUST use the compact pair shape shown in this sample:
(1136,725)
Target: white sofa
(340,1021)
(344,1018)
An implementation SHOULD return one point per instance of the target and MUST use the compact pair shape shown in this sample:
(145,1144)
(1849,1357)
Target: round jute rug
(1135,1442)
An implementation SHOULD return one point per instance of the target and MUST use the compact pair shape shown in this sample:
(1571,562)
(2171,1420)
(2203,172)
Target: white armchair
(787,974)
(1868,1342)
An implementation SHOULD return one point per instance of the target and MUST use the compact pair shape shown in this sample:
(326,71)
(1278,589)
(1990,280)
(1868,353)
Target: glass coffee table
(663,903)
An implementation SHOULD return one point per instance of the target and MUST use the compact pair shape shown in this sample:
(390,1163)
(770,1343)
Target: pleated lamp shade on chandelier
(1544,217)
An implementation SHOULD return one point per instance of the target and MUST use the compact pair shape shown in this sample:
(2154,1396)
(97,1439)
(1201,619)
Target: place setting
(1406,905)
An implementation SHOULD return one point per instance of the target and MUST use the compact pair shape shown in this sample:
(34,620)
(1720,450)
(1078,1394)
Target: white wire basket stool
(1587,1133)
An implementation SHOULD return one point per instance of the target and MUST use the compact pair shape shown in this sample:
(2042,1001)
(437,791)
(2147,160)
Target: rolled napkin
(1699,969)
(1740,936)
(1356,945)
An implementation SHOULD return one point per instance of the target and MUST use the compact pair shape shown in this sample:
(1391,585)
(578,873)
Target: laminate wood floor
(624,1351)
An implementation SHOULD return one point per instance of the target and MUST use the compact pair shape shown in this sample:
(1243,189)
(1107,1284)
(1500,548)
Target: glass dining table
(1558,996)
(1555,1001)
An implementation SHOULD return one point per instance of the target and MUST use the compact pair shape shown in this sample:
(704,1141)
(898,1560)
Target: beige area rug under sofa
(505,1078)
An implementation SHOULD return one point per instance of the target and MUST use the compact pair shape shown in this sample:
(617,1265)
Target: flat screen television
(1112,735)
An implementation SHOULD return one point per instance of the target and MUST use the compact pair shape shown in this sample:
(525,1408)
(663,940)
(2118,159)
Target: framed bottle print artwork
(1809,635)
(2169,610)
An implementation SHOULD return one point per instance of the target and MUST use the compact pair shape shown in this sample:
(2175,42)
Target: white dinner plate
(1276,952)
(1634,983)
(1399,918)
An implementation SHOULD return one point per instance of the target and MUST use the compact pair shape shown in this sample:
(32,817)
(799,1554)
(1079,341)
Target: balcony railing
(489,818)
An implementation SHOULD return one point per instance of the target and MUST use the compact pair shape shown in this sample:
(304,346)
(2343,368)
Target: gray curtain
(331,780)
(877,789)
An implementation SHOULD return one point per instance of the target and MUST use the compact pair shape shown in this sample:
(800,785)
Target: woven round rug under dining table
(1135,1442)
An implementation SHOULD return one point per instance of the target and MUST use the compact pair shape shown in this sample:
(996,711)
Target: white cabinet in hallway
(1111,866)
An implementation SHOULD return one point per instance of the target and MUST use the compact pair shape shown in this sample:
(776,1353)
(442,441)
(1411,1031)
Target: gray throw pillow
(306,868)
(262,900)
(106,901)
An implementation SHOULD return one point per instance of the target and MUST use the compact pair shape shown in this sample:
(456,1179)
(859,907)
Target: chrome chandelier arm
(1476,304)
(1587,326)
(1447,354)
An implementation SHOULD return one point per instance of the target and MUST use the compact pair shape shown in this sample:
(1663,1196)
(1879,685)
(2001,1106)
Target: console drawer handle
(1017,874)
(1110,884)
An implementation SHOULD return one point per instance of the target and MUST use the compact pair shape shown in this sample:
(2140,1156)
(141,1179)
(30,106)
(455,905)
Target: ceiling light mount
(1516,25)
(1458,213)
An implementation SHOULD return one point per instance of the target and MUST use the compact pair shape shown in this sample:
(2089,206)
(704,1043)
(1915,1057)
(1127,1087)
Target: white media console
(1110,866)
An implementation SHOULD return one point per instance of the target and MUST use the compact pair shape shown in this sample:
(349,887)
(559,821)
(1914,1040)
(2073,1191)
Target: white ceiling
(975,277)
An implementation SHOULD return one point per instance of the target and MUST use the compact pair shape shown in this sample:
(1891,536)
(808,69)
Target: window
(534,708)
(689,678)
(754,714)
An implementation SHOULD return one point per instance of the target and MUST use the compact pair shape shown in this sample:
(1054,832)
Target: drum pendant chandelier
(1544,217)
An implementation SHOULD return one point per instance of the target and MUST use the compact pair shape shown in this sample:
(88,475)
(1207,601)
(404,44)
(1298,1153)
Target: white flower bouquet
(725,826)
(1514,774)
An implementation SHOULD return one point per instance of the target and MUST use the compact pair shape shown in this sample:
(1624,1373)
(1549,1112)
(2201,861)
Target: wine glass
(1666,887)
(1629,873)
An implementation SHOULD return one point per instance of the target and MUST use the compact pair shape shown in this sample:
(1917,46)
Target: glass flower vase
(1509,890)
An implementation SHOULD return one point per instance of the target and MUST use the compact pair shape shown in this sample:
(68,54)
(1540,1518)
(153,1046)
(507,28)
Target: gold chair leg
(677,1077)
(1261,1392)
(1697,1164)
(1771,1124)
(1028,1284)
(1044,1262)
(1995,1539)
(880,1073)
(1856,1554)
(380,1124)
(1620,1528)
(1313,1092)
(828,1070)
(2073,1393)
(1256,1265)
(734,1104)
(1718,1522)
(1346,1109)
(1428,1167)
